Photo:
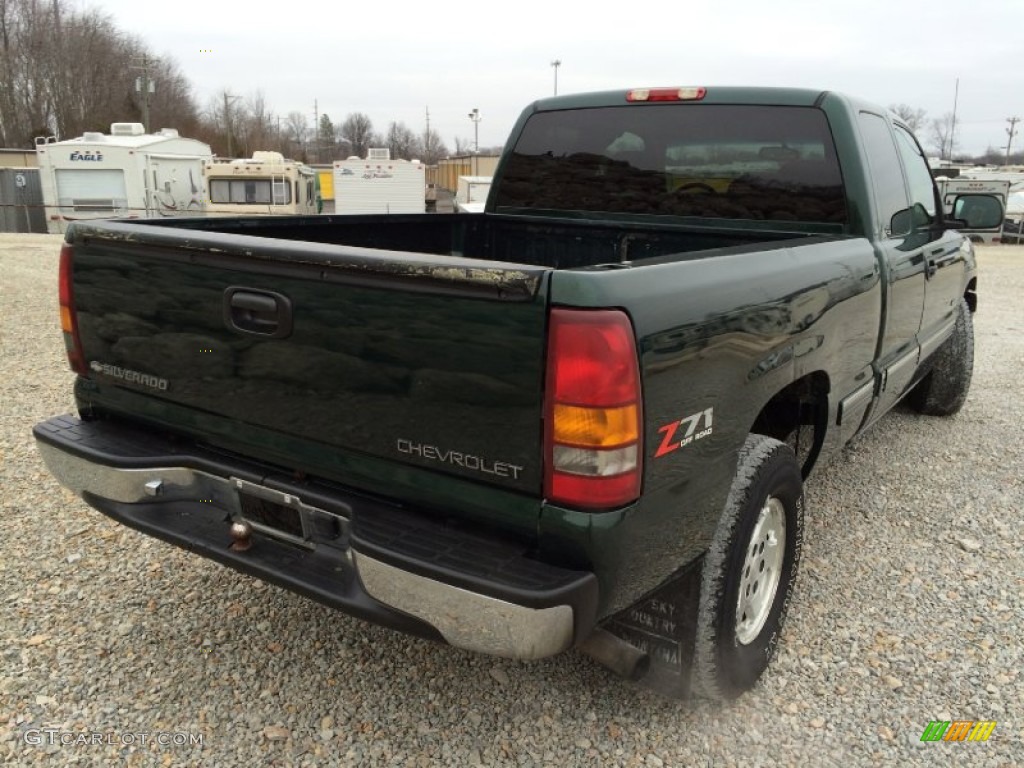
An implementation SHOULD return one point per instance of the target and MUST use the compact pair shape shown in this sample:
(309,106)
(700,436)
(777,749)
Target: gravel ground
(909,609)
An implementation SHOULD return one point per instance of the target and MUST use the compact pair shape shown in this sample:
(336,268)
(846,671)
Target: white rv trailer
(999,189)
(127,173)
(267,183)
(379,184)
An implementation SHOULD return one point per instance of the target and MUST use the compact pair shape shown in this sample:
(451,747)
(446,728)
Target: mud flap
(663,625)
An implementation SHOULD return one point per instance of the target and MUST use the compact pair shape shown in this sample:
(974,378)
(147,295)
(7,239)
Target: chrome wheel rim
(762,571)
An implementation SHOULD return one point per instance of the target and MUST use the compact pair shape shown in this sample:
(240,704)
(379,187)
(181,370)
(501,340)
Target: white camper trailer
(127,173)
(264,184)
(379,184)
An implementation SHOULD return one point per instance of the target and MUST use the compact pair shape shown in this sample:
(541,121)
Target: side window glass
(922,188)
(884,162)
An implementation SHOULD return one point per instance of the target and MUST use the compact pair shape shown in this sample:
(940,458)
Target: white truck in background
(379,184)
(127,173)
(471,195)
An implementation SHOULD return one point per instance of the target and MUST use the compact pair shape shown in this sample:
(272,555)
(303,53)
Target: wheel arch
(971,295)
(798,415)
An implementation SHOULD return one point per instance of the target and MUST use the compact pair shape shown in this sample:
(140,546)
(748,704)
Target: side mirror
(902,223)
(909,220)
(978,211)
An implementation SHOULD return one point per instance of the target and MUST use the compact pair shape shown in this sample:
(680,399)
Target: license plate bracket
(272,512)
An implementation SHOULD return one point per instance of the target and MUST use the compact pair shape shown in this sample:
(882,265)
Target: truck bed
(535,240)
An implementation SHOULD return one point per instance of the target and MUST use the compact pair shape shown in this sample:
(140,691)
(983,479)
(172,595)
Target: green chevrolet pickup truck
(582,418)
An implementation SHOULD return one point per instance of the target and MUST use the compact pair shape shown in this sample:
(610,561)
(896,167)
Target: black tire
(734,645)
(944,389)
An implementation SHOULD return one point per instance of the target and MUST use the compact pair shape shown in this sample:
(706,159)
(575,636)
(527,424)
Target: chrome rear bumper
(194,508)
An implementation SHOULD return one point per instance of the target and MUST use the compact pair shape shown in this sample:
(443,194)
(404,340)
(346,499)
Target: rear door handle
(257,312)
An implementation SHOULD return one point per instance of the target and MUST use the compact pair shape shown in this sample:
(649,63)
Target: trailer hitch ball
(241,534)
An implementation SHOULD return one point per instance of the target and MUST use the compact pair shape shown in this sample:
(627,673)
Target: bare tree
(28,61)
(63,72)
(343,148)
(914,118)
(260,124)
(943,135)
(463,146)
(297,128)
(357,131)
(401,142)
(433,147)
(225,119)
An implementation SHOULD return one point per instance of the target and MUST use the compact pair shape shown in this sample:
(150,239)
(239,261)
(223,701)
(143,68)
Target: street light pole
(555,65)
(475,117)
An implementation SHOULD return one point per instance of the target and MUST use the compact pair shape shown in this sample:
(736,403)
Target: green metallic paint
(726,316)
(512,512)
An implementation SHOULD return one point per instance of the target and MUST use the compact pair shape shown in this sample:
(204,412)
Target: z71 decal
(681,433)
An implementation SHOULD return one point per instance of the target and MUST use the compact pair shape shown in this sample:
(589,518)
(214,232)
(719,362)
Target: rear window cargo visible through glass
(770,163)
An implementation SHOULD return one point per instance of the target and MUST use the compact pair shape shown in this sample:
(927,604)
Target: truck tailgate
(432,361)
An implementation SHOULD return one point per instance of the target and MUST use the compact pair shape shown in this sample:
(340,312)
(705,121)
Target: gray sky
(394,60)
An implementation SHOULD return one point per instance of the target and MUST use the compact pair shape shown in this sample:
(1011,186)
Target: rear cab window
(762,163)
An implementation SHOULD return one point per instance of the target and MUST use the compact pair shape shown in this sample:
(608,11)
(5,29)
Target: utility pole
(555,65)
(228,101)
(144,86)
(316,130)
(952,126)
(428,152)
(1010,132)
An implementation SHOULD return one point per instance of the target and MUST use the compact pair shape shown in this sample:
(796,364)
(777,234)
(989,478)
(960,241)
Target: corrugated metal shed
(21,201)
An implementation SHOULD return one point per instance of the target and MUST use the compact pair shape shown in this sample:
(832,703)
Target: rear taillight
(68,318)
(592,433)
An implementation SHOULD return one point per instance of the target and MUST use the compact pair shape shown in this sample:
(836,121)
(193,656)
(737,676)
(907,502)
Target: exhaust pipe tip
(614,653)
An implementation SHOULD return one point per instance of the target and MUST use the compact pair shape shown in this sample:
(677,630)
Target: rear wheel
(943,390)
(749,571)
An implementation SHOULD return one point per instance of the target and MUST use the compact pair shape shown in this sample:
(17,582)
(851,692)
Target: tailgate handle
(256,312)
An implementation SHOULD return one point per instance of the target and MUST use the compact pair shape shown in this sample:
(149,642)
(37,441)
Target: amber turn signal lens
(595,427)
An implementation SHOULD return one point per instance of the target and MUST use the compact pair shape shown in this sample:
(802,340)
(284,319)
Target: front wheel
(749,570)
(943,390)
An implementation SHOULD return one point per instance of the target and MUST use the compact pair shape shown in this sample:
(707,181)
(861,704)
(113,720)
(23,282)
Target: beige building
(18,158)
(446,173)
